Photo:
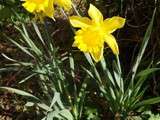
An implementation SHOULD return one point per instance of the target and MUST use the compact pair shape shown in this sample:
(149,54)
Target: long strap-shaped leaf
(147,102)
(19,92)
(142,49)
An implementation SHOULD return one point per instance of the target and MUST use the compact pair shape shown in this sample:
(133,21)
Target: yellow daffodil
(95,32)
(43,7)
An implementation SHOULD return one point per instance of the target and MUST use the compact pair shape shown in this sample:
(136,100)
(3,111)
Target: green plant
(44,63)
(123,97)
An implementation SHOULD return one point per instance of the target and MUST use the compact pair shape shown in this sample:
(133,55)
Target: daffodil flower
(94,32)
(45,7)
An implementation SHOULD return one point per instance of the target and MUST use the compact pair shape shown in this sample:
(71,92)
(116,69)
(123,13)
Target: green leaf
(148,102)
(88,72)
(38,32)
(143,76)
(66,113)
(43,118)
(143,47)
(147,72)
(44,106)
(27,78)
(117,76)
(16,62)
(24,49)
(19,92)
(29,42)
(54,114)
(60,114)
(106,71)
(55,99)
(89,59)
(71,61)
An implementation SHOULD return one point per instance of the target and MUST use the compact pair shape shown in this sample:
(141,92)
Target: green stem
(120,74)
(74,7)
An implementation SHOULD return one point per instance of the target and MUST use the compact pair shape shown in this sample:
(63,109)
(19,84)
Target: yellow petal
(97,56)
(80,22)
(49,11)
(95,14)
(66,4)
(111,24)
(111,41)
(29,6)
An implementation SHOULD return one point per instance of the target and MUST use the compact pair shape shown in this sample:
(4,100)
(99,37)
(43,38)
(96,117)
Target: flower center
(90,39)
(93,36)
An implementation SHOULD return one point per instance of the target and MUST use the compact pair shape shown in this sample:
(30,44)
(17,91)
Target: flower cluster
(93,32)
